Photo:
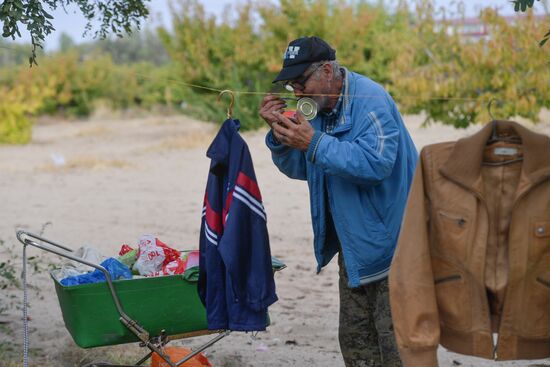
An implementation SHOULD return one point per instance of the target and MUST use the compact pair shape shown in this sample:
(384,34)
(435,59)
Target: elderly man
(358,160)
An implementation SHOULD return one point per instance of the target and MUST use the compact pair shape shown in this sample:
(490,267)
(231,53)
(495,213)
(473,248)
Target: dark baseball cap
(301,53)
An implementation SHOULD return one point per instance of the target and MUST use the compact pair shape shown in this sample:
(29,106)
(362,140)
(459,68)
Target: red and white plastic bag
(153,255)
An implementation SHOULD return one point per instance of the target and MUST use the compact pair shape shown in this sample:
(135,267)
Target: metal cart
(152,311)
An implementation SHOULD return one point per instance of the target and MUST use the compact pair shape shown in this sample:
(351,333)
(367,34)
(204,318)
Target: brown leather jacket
(473,257)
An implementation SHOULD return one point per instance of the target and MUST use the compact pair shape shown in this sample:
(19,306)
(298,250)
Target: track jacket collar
(218,151)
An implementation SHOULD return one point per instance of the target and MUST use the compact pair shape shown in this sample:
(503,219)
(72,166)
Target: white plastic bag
(74,268)
(152,255)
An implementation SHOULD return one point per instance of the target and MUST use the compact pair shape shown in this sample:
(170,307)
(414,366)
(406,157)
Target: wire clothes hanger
(497,138)
(231,104)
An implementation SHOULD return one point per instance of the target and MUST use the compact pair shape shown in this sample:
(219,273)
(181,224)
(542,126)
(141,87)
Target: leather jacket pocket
(452,231)
(536,306)
(536,298)
(452,295)
(540,246)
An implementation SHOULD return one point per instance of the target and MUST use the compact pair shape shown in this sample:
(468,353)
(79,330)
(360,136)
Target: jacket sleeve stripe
(246,202)
(213,219)
(207,234)
(252,200)
(380,132)
(210,236)
(250,185)
(225,211)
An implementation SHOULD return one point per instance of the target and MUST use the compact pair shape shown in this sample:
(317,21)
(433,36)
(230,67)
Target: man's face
(313,83)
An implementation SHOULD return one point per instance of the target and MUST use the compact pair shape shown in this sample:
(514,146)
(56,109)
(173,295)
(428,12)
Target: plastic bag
(187,259)
(124,250)
(191,258)
(74,268)
(174,267)
(152,255)
(127,256)
(116,269)
(177,354)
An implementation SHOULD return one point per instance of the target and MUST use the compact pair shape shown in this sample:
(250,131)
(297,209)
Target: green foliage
(144,46)
(427,67)
(17,103)
(8,274)
(545,39)
(244,53)
(508,66)
(71,86)
(116,16)
(522,5)
(216,55)
(139,46)
(15,127)
(74,86)
(12,53)
(9,278)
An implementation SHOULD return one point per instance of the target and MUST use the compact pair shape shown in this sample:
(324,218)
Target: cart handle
(27,238)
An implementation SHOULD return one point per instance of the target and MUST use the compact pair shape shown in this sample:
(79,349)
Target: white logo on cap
(292,52)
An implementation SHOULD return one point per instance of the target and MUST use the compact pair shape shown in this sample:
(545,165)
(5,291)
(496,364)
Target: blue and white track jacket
(236,279)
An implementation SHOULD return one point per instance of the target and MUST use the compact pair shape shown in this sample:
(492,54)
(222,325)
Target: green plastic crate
(168,303)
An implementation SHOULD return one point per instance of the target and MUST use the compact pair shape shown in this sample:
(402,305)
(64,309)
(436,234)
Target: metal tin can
(308,107)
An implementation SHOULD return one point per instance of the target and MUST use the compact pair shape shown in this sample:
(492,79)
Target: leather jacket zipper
(447,279)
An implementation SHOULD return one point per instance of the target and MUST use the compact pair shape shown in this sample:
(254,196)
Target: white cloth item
(74,268)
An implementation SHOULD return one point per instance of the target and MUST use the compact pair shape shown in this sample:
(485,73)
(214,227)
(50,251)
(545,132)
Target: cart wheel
(97,364)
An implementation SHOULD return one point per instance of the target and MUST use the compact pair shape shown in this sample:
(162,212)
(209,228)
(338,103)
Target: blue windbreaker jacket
(236,282)
(366,166)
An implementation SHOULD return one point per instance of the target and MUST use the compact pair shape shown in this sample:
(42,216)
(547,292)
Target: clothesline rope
(486,99)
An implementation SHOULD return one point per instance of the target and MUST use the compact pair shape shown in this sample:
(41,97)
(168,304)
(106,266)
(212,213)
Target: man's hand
(271,104)
(294,133)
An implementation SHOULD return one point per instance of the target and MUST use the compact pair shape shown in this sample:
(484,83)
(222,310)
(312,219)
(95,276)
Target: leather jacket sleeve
(412,291)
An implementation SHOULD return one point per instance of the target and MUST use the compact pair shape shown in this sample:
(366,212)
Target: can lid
(308,107)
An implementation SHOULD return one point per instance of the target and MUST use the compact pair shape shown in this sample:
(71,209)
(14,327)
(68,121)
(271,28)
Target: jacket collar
(218,151)
(464,163)
(344,122)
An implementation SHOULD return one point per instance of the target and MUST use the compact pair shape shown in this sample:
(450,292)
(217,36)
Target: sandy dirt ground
(106,181)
